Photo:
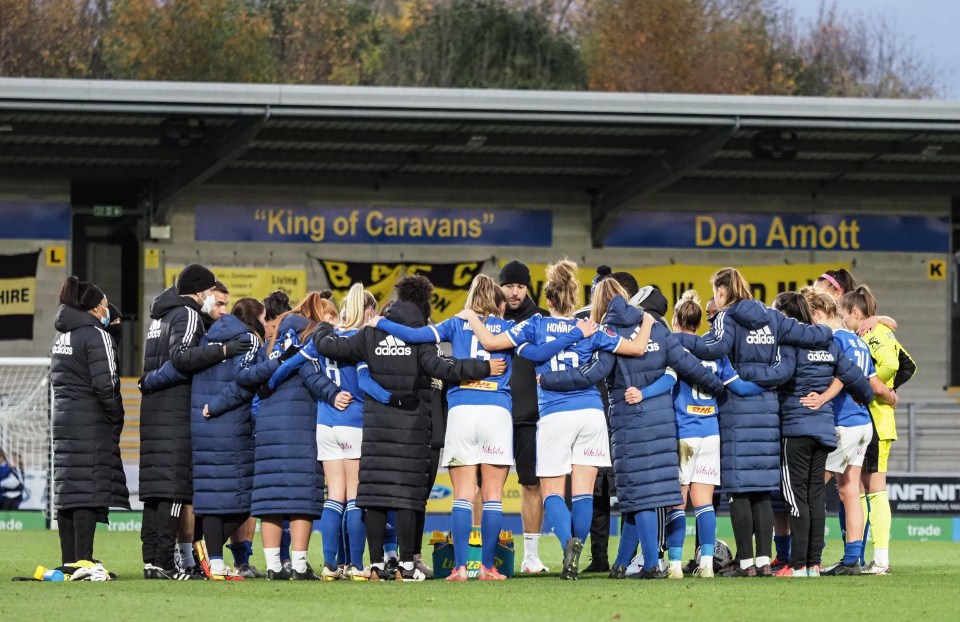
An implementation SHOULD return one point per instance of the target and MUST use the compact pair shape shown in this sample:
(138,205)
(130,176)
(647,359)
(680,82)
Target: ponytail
(354,306)
(687,313)
(604,292)
(561,288)
(860,299)
(737,287)
(80,294)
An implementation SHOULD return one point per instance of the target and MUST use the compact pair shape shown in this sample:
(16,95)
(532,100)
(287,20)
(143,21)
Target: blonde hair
(562,289)
(820,300)
(482,296)
(737,287)
(316,307)
(355,305)
(687,313)
(860,299)
(604,292)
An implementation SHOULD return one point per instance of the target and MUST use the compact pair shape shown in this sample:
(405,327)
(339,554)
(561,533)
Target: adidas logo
(154,332)
(762,336)
(391,346)
(62,345)
(653,347)
(820,356)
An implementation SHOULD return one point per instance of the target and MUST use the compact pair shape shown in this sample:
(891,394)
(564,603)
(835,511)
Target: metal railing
(929,437)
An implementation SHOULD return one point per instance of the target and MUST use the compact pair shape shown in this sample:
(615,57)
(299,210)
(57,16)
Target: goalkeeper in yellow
(894,367)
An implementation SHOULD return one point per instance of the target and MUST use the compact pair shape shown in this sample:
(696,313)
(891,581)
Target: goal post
(26,433)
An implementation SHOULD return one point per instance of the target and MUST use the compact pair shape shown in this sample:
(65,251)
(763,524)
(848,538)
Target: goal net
(25,425)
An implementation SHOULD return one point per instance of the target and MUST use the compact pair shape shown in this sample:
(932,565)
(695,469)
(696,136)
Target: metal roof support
(201,166)
(653,175)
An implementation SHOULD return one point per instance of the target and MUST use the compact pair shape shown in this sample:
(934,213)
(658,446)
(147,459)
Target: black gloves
(289,352)
(263,391)
(405,401)
(240,345)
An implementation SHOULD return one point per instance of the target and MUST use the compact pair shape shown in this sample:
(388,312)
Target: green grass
(924,586)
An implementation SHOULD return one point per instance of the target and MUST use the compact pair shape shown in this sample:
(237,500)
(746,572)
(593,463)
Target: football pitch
(924,586)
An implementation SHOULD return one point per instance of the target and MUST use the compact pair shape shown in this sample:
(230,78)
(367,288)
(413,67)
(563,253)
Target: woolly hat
(650,298)
(195,279)
(515,272)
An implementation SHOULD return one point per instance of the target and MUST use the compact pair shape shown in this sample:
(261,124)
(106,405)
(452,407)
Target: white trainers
(533,565)
(410,574)
(420,565)
(675,573)
(636,565)
(875,568)
(703,572)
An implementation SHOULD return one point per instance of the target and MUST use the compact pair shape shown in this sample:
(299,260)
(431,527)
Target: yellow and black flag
(18,286)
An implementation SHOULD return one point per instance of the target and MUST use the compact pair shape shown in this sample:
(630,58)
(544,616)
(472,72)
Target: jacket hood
(620,314)
(226,328)
(69,318)
(295,322)
(528,308)
(751,314)
(405,313)
(168,300)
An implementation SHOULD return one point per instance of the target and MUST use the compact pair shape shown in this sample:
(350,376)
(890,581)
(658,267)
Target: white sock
(273,558)
(763,561)
(881,557)
(745,563)
(407,565)
(674,565)
(186,555)
(706,561)
(531,546)
(217,566)
(299,560)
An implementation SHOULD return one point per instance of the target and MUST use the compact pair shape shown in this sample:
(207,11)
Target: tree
(209,40)
(477,44)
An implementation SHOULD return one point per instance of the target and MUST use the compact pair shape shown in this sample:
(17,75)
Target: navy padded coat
(287,477)
(750,333)
(643,436)
(223,442)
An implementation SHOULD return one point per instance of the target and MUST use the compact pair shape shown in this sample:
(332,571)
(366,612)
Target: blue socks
(629,540)
(390,535)
(649,540)
(555,509)
(330,522)
(490,525)
(782,544)
(582,515)
(852,553)
(676,529)
(285,541)
(706,528)
(356,533)
(241,552)
(462,518)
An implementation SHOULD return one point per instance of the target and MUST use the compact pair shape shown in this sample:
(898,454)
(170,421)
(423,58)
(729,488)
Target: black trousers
(802,473)
(217,528)
(77,527)
(161,521)
(406,527)
(422,514)
(600,526)
(752,517)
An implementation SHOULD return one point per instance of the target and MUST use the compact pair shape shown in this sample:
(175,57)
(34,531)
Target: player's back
(491,391)
(846,411)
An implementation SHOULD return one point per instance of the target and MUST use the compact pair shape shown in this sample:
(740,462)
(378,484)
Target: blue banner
(912,234)
(388,225)
(28,220)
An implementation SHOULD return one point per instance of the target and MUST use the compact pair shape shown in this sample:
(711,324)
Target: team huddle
(289,414)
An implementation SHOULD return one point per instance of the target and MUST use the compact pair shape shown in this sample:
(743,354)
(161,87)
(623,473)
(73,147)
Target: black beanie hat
(195,279)
(515,272)
(89,296)
(114,312)
(651,299)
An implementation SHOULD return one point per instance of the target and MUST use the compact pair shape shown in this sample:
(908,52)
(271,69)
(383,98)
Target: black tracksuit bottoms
(803,463)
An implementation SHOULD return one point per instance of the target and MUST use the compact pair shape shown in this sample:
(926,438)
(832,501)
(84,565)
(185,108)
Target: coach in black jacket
(166,478)
(87,419)
(395,451)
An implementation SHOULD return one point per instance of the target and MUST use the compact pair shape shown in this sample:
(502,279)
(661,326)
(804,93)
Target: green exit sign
(108,211)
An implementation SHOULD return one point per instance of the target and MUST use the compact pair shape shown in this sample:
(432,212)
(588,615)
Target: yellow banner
(441,497)
(766,281)
(17,296)
(253,282)
(450,281)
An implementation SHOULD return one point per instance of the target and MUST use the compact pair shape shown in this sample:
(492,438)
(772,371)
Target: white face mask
(208,304)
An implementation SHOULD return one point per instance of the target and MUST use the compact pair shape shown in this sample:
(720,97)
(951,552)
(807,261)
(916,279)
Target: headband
(832,281)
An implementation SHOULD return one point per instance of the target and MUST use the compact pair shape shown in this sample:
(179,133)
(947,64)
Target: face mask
(105,321)
(208,304)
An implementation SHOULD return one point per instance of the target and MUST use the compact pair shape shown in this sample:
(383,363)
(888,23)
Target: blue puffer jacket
(643,436)
(287,477)
(222,443)
(812,371)
(750,333)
